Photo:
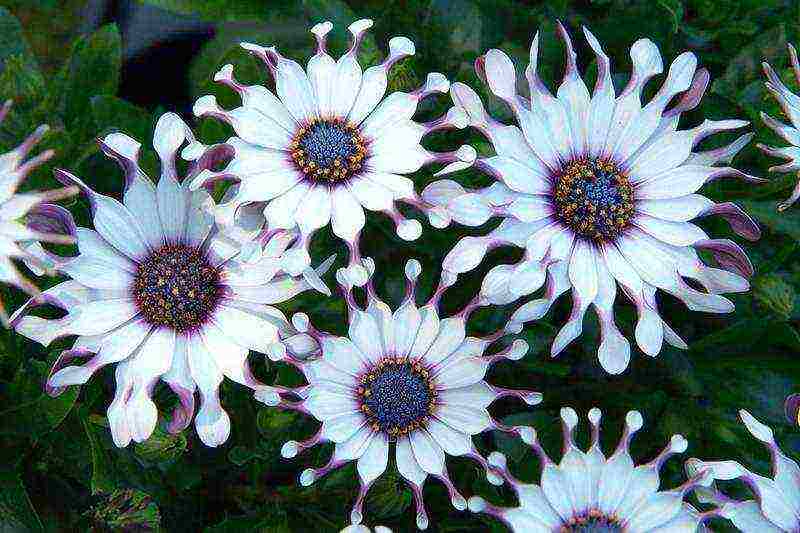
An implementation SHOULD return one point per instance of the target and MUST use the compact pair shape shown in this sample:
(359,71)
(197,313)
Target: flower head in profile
(329,144)
(790,103)
(406,380)
(776,507)
(157,289)
(600,190)
(587,492)
(19,213)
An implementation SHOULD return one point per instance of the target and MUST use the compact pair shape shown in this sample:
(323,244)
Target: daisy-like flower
(407,380)
(790,103)
(19,213)
(157,289)
(599,190)
(776,507)
(329,144)
(587,492)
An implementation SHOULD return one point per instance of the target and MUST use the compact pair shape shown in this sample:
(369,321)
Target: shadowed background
(88,68)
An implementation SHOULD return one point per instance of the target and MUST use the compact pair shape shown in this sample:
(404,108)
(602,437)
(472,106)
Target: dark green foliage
(59,470)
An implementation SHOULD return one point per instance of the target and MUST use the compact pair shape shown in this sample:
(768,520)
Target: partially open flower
(329,144)
(19,213)
(790,103)
(406,380)
(159,290)
(776,507)
(588,493)
(600,191)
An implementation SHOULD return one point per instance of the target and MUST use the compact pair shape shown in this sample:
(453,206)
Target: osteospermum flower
(776,507)
(157,289)
(790,103)
(599,190)
(587,492)
(15,208)
(364,529)
(407,380)
(330,144)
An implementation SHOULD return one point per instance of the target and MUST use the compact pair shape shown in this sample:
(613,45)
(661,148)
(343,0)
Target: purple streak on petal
(69,179)
(129,166)
(742,223)
(51,218)
(729,255)
(182,414)
(213,156)
(480,68)
(691,98)
(792,407)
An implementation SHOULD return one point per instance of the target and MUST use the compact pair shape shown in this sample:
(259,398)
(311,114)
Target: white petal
(314,211)
(140,199)
(280,212)
(347,215)
(407,465)
(583,271)
(294,89)
(452,442)
(212,422)
(246,329)
(119,227)
(465,419)
(374,460)
(427,453)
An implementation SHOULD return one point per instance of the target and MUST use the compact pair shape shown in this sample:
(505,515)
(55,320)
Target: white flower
(587,492)
(329,144)
(18,208)
(364,529)
(599,190)
(407,380)
(157,289)
(790,103)
(776,507)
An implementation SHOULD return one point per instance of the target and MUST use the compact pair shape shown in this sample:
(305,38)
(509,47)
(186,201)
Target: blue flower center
(328,150)
(176,287)
(397,396)
(594,199)
(594,523)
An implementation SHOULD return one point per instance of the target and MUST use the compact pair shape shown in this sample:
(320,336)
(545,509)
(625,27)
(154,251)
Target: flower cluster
(177,283)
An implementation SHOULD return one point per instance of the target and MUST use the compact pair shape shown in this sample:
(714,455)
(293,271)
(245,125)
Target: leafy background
(89,68)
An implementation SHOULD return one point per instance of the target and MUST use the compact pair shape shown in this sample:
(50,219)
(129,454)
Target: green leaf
(774,294)
(766,213)
(36,417)
(12,41)
(92,69)
(745,67)
(16,510)
(675,9)
(112,113)
(161,447)
(101,462)
(215,10)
